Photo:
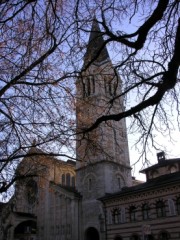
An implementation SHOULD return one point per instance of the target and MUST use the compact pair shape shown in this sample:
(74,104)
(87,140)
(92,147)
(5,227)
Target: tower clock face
(31,191)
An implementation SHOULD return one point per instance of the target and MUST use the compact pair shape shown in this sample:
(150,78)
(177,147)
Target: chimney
(161,156)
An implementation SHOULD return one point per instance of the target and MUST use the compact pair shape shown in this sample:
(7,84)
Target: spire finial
(95,50)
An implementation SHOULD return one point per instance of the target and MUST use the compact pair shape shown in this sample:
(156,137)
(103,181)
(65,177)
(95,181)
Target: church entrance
(91,234)
(149,237)
(25,231)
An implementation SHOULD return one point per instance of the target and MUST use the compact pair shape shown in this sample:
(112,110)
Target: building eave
(161,164)
(156,183)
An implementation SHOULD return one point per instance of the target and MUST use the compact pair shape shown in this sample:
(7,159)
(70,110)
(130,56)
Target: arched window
(110,89)
(178,205)
(31,191)
(92,83)
(63,179)
(119,182)
(172,209)
(116,215)
(164,236)
(145,211)
(110,86)
(88,86)
(73,181)
(132,213)
(84,89)
(89,184)
(154,174)
(160,209)
(173,169)
(68,177)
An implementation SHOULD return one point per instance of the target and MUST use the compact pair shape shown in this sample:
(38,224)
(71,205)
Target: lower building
(148,211)
(48,206)
(44,206)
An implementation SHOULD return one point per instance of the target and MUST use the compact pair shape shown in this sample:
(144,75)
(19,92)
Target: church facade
(93,198)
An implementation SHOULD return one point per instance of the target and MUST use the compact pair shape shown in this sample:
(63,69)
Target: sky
(171,149)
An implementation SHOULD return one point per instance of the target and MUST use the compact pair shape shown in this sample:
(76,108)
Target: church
(94,198)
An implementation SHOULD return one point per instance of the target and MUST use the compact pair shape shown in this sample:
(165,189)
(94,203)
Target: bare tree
(36,81)
(42,46)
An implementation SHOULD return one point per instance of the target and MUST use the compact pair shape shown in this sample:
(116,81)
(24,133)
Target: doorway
(25,230)
(91,234)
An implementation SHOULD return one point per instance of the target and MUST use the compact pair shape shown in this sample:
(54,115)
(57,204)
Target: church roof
(96,49)
(34,151)
(161,164)
(68,189)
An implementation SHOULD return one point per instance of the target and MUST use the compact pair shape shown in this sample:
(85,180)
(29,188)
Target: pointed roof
(95,44)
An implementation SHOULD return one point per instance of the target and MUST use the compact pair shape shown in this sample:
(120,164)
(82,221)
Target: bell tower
(102,155)
(98,91)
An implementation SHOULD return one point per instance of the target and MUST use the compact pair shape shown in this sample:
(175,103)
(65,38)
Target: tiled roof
(68,188)
(161,164)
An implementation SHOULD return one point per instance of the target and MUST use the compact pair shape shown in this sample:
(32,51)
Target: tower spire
(96,49)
